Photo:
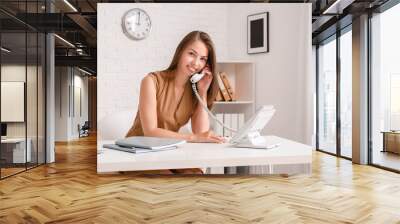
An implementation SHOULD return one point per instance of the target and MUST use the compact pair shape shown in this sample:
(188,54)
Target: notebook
(135,150)
(149,142)
(138,144)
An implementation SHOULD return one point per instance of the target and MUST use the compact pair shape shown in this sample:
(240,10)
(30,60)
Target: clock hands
(138,19)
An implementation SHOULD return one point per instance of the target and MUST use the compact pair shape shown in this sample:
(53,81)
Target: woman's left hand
(205,82)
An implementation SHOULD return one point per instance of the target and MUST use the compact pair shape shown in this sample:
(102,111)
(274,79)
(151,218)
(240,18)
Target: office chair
(84,130)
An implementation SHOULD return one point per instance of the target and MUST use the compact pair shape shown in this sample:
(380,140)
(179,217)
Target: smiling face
(193,59)
(193,53)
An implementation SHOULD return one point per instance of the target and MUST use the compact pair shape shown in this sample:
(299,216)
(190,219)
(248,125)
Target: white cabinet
(16,148)
(241,75)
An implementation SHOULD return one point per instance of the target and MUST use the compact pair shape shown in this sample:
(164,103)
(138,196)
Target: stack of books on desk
(142,144)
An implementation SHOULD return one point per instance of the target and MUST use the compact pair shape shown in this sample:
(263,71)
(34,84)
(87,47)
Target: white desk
(289,158)
(18,150)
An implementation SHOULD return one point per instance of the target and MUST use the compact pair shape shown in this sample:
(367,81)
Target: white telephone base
(253,140)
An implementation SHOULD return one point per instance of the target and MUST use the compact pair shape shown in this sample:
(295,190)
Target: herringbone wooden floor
(70,191)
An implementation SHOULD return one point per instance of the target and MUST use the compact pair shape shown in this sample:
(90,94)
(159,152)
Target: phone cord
(208,111)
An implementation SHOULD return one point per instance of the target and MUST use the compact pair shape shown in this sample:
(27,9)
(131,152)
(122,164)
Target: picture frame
(258,33)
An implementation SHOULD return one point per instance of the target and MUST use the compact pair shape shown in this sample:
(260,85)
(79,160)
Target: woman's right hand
(208,137)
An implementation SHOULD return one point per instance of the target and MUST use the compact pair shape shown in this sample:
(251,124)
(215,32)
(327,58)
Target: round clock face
(136,24)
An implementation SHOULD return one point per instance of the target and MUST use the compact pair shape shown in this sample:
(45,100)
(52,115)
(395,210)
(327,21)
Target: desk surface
(391,132)
(13,140)
(200,155)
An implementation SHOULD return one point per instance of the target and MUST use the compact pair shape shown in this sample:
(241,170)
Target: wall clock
(136,24)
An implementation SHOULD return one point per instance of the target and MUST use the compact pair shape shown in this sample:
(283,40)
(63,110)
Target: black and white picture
(257,33)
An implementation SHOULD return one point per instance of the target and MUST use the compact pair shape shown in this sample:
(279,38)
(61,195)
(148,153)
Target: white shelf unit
(232,102)
(241,75)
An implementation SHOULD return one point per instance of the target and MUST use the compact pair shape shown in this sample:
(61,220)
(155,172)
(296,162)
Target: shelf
(234,62)
(241,75)
(232,102)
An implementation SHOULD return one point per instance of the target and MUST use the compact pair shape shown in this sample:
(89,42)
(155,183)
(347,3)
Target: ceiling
(76,22)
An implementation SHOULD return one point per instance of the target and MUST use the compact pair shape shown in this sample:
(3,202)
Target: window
(327,96)
(346,93)
(385,87)
(333,77)
(22,67)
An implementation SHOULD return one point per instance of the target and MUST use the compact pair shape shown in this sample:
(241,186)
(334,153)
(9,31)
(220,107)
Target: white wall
(80,83)
(61,103)
(16,72)
(283,75)
(66,121)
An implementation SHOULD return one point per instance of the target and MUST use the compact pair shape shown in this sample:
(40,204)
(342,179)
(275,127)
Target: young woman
(167,101)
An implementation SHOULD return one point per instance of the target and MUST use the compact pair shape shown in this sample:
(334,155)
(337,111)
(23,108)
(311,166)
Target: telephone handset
(197,76)
(194,79)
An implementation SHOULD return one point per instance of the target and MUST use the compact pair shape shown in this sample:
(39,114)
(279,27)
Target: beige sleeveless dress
(172,113)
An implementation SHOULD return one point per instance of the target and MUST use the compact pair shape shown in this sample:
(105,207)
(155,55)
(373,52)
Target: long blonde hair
(211,61)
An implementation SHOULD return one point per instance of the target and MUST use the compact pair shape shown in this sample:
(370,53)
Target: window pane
(14,153)
(386,88)
(327,97)
(346,93)
(22,79)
